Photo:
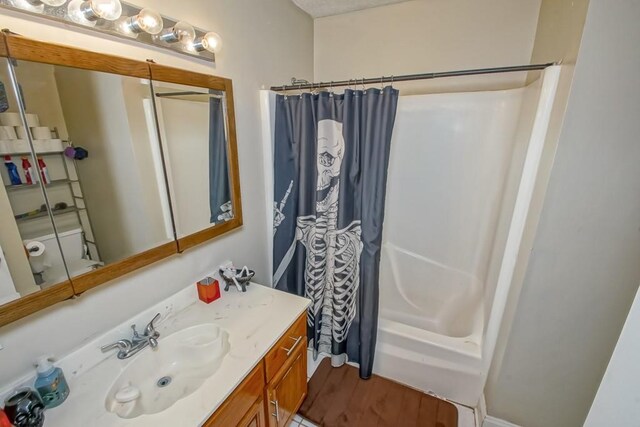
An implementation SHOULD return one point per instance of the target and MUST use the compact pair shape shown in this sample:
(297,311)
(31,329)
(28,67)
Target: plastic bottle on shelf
(14,176)
(44,173)
(29,176)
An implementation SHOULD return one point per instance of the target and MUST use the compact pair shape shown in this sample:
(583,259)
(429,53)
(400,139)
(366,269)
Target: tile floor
(466,415)
(302,422)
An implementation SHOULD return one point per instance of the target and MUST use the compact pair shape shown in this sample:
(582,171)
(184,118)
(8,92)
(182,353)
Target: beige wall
(580,279)
(266,42)
(559,31)
(422,36)
(105,115)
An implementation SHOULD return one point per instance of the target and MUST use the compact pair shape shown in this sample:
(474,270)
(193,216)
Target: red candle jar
(208,290)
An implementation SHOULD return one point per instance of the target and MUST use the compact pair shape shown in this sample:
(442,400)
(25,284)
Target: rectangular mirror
(198,139)
(95,133)
(107,171)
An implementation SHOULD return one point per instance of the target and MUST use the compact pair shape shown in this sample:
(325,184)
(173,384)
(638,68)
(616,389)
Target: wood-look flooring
(338,397)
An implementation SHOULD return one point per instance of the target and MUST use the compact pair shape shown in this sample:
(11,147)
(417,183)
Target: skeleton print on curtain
(330,165)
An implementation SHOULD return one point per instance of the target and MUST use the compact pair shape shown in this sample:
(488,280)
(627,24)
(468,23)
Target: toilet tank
(71,242)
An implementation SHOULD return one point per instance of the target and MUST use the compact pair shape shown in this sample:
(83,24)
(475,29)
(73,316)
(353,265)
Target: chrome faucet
(127,348)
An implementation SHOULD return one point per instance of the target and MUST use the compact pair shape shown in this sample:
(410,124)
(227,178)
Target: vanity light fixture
(87,12)
(211,42)
(146,21)
(125,20)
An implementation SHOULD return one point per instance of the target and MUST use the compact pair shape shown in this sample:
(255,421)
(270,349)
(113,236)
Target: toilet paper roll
(32,120)
(21,132)
(41,132)
(5,147)
(10,119)
(8,132)
(36,251)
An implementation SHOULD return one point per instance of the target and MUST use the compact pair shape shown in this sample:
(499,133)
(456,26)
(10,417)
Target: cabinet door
(255,416)
(243,400)
(287,390)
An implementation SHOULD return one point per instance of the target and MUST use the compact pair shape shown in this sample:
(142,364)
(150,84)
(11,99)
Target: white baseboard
(490,421)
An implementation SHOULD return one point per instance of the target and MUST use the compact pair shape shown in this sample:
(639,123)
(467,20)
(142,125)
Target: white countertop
(255,320)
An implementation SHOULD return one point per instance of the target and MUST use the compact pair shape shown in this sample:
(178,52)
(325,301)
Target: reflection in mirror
(105,178)
(194,132)
(30,258)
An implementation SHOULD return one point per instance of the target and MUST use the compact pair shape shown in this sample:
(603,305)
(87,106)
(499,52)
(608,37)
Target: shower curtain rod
(303,84)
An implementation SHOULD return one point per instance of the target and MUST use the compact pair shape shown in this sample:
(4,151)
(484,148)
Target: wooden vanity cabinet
(287,390)
(274,390)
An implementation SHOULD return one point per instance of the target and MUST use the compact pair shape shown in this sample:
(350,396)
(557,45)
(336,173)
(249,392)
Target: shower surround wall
(461,165)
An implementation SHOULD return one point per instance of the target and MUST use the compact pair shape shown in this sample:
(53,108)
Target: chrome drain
(164,381)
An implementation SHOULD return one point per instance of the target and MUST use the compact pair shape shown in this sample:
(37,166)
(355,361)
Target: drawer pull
(277,413)
(289,350)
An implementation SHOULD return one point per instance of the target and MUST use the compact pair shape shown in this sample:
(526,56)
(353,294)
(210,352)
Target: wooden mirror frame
(13,46)
(161,73)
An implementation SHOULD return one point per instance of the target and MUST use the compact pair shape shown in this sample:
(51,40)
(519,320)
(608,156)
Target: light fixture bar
(59,14)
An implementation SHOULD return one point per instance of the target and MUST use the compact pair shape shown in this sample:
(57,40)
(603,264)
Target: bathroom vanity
(256,377)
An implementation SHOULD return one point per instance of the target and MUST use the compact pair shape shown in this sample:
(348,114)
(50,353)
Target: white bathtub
(429,326)
(461,175)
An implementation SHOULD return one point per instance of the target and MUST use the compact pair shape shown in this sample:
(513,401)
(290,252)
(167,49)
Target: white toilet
(73,247)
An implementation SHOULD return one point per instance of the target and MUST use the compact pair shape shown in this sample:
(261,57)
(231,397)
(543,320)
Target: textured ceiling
(319,8)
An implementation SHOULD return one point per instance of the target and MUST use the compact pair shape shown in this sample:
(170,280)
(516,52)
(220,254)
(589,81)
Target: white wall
(617,401)
(422,36)
(265,42)
(583,270)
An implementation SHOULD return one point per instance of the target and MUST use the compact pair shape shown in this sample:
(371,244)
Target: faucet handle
(121,345)
(150,330)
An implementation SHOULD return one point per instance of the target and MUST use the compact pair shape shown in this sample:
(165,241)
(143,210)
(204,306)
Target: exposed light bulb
(147,20)
(210,41)
(105,9)
(37,7)
(87,12)
(180,32)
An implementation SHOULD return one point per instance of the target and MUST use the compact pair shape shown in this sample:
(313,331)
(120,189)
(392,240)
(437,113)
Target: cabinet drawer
(240,402)
(286,345)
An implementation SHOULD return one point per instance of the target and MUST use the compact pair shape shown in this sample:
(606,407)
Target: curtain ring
(300,89)
(382,83)
(391,81)
(331,89)
(364,88)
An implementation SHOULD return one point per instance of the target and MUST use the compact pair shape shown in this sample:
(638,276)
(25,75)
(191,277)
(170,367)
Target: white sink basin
(157,378)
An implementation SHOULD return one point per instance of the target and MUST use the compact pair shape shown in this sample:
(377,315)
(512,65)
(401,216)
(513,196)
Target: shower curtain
(330,168)
(219,189)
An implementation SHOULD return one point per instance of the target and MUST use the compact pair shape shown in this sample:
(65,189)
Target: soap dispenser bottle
(50,383)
